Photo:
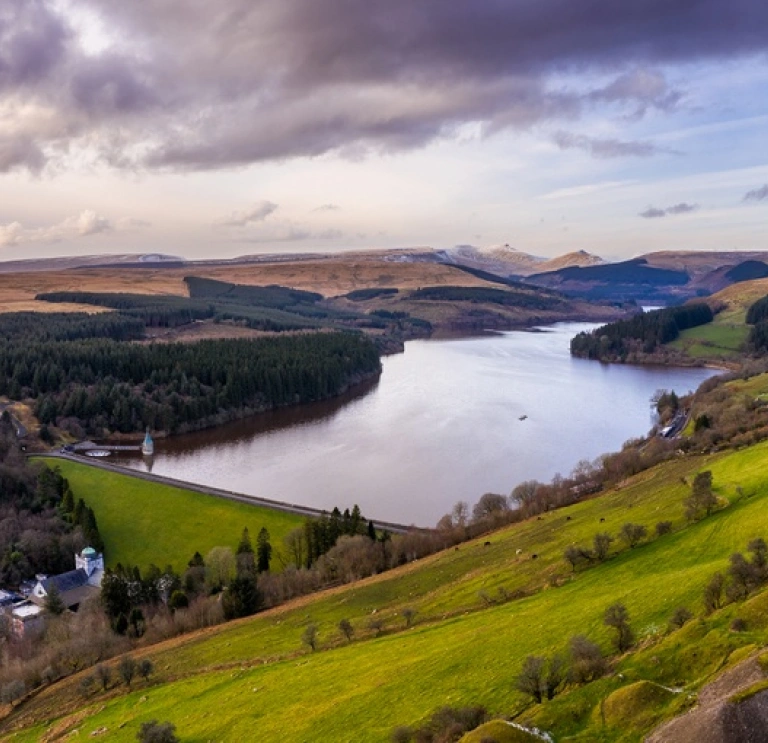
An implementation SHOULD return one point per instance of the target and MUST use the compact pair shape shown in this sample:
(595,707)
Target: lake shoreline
(443,422)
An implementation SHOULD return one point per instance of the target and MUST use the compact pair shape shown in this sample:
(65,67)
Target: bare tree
(524,495)
(145,668)
(633,534)
(12,691)
(309,637)
(680,617)
(489,506)
(575,555)
(103,675)
(460,514)
(541,678)
(346,629)
(587,661)
(702,500)
(157,732)
(601,545)
(296,546)
(376,625)
(127,669)
(220,566)
(530,679)
(713,593)
(617,616)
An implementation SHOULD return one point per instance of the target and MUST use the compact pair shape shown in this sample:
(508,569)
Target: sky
(216,129)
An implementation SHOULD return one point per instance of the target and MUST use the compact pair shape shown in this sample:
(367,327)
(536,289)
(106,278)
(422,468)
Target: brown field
(328,276)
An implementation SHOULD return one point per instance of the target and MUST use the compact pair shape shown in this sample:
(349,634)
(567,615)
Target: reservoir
(448,420)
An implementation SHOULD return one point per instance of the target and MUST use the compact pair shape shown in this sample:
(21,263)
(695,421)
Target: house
(27,617)
(7,599)
(76,585)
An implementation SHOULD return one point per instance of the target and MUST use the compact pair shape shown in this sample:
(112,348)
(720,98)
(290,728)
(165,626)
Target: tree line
(41,525)
(104,385)
(644,332)
(533,298)
(757,317)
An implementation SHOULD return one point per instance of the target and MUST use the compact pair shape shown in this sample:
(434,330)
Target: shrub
(309,637)
(157,732)
(617,616)
(587,661)
(680,617)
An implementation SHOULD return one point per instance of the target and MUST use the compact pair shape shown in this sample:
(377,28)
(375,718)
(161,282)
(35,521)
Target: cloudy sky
(216,129)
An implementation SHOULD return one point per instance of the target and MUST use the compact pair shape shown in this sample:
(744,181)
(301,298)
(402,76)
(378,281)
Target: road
(218,493)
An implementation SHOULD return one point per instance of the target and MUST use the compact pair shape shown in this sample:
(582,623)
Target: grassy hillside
(253,677)
(725,337)
(143,522)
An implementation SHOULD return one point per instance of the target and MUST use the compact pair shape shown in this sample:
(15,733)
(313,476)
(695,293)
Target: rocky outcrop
(726,711)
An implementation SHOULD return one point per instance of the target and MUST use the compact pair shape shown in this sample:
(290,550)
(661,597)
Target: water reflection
(448,420)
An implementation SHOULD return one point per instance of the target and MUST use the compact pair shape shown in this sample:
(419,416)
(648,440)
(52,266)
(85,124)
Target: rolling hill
(480,610)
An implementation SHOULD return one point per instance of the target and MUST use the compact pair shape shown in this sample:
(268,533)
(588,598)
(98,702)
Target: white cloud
(10,234)
(90,223)
(86,223)
(257,213)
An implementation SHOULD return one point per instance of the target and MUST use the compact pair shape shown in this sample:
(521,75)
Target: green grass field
(143,522)
(252,678)
(719,340)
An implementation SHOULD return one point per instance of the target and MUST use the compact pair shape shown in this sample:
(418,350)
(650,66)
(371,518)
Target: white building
(76,585)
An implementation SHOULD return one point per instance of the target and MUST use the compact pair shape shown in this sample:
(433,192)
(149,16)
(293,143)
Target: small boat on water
(97,453)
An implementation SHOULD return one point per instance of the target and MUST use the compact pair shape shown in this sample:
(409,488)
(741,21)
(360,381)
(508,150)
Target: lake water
(442,424)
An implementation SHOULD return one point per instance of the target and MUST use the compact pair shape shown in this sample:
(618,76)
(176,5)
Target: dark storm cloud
(194,84)
(653,212)
(757,194)
(32,42)
(605,148)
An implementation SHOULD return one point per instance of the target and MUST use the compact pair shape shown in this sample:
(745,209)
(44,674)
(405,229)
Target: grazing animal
(602,520)
(487,544)
(534,556)
(519,552)
(567,518)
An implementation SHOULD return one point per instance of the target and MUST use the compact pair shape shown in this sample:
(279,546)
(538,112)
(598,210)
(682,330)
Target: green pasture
(716,339)
(251,679)
(143,522)
(756,386)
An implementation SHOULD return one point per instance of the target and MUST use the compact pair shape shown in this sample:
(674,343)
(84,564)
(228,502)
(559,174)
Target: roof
(67,581)
(25,611)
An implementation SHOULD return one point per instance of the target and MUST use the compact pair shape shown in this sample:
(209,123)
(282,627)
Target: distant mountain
(631,280)
(35,265)
(499,259)
(578,258)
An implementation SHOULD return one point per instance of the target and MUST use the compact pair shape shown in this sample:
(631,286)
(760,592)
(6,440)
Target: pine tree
(263,551)
(54,604)
(246,563)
